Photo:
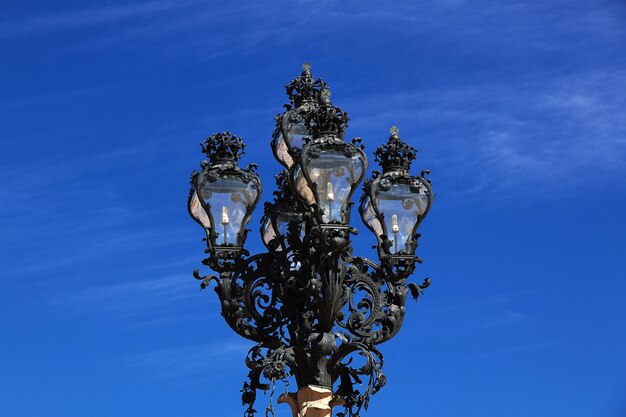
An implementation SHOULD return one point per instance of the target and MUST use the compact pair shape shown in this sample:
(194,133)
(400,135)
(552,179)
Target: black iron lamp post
(315,310)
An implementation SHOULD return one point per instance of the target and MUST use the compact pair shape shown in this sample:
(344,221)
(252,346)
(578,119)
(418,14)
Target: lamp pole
(315,311)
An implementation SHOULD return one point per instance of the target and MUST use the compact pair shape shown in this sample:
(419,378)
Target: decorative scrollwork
(248,303)
(374,305)
(348,375)
(267,365)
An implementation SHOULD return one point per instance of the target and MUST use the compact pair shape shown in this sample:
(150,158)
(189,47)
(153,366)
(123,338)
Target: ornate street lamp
(315,311)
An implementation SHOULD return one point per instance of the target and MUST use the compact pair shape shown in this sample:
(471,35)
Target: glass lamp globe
(327,177)
(394,208)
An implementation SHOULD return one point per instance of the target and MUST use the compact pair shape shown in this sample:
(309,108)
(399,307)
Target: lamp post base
(311,401)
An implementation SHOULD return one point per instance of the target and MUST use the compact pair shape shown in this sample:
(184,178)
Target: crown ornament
(222,147)
(327,119)
(395,154)
(304,88)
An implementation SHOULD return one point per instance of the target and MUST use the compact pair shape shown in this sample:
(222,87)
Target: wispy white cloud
(143,302)
(486,302)
(195,364)
(77,19)
(70,201)
(51,97)
(539,133)
(209,30)
(491,313)
(205,29)
(118,296)
(122,296)
(515,349)
(480,322)
(509,318)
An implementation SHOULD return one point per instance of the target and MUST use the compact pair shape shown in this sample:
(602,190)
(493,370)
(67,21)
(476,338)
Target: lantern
(395,202)
(291,131)
(283,219)
(329,169)
(223,195)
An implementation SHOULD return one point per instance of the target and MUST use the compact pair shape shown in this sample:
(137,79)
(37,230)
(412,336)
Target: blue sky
(517,108)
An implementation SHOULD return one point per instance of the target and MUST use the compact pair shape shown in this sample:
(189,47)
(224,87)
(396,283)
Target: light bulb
(225,219)
(394,223)
(329,192)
